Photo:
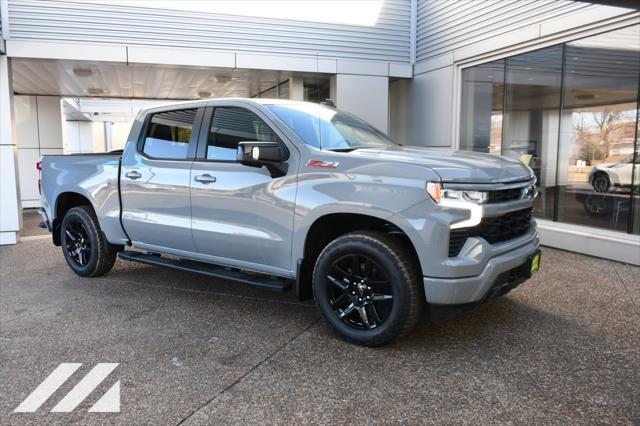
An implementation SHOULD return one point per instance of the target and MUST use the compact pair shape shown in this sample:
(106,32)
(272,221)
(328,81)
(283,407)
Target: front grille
(492,229)
(504,195)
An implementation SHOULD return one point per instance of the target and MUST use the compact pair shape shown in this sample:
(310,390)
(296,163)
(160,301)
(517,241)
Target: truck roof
(213,102)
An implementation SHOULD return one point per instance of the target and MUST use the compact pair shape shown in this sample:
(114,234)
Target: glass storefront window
(316,89)
(570,112)
(531,111)
(598,129)
(482,107)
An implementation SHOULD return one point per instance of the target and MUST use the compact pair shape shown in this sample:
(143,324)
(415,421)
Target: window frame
(205,128)
(193,139)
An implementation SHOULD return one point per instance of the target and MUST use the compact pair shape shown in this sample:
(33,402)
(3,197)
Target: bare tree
(595,139)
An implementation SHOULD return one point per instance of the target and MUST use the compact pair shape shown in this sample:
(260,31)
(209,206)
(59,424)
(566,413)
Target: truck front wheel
(601,182)
(85,248)
(366,284)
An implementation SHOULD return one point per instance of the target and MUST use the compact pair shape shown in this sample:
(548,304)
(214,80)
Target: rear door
(241,215)
(155,181)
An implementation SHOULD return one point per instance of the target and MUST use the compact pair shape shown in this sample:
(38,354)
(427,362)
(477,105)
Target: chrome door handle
(133,175)
(206,179)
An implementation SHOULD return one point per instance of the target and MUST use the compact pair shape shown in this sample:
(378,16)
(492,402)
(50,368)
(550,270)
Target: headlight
(438,194)
(435,191)
(529,192)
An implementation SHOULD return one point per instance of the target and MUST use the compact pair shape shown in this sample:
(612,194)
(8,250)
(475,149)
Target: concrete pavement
(562,348)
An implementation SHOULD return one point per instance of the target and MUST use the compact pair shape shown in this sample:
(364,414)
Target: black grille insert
(504,195)
(492,229)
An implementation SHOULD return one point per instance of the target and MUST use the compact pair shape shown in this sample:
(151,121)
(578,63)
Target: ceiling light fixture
(223,78)
(83,72)
(95,91)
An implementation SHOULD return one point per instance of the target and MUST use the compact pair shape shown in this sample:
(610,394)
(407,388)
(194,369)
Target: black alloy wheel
(360,293)
(598,205)
(77,243)
(85,248)
(368,287)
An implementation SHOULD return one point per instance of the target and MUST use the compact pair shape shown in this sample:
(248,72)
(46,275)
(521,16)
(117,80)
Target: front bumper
(464,290)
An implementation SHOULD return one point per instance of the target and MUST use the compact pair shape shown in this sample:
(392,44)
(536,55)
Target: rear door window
(168,134)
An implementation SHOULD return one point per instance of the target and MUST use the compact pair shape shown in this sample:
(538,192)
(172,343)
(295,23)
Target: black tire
(598,205)
(393,268)
(80,233)
(601,182)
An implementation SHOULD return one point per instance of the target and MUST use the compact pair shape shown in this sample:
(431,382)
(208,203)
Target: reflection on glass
(481,109)
(316,89)
(531,111)
(327,128)
(570,112)
(598,129)
(169,133)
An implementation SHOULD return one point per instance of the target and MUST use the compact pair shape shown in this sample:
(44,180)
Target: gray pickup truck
(281,194)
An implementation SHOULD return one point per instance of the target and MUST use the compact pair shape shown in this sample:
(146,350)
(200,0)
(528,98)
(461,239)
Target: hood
(453,165)
(606,165)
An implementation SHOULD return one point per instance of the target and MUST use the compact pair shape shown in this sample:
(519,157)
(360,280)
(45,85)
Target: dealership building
(553,83)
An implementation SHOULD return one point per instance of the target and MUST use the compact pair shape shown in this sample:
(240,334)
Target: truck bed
(95,176)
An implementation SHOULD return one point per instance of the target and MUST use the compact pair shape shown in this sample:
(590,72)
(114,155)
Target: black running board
(261,281)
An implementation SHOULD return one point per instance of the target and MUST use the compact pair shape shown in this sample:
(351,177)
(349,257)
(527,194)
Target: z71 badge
(323,164)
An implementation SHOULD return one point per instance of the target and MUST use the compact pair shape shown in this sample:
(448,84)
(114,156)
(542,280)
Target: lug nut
(359,299)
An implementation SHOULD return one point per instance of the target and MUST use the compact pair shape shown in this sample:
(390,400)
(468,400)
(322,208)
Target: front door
(155,181)
(240,214)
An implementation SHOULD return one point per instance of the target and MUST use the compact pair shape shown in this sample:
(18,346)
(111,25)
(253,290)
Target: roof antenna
(329,103)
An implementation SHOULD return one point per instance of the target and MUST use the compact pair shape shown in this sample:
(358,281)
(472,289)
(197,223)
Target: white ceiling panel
(117,80)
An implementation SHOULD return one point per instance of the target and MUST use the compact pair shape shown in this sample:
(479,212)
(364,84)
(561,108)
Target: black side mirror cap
(269,154)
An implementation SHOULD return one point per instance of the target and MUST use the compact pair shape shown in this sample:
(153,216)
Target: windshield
(327,128)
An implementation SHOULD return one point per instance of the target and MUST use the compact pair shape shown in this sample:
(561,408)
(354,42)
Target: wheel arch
(327,228)
(600,172)
(65,201)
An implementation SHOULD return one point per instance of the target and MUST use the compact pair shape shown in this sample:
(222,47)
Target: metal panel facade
(387,40)
(444,26)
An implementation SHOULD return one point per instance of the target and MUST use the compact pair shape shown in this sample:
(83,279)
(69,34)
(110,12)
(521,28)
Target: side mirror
(270,154)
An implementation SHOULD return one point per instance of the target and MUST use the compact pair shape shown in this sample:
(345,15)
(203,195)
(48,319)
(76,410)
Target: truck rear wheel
(366,284)
(85,248)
